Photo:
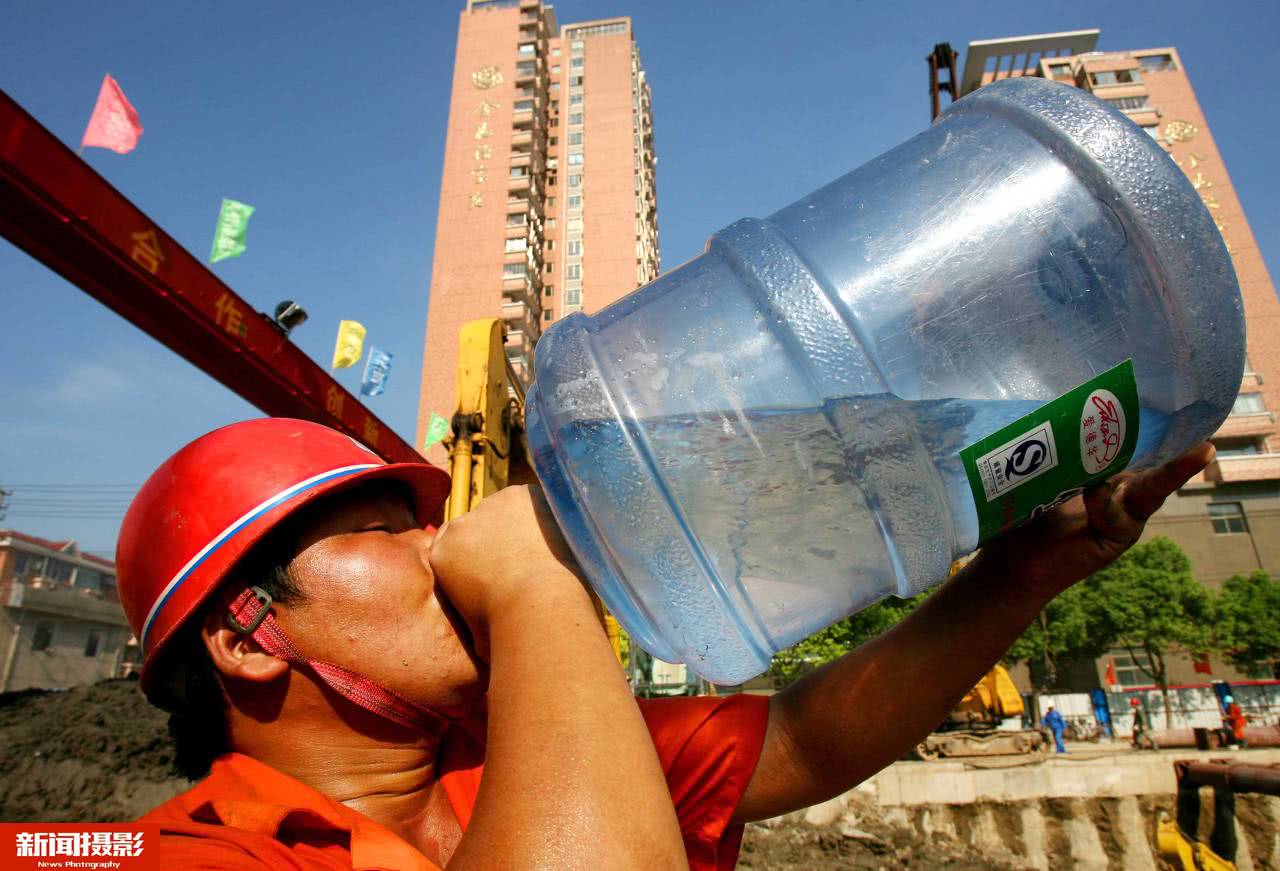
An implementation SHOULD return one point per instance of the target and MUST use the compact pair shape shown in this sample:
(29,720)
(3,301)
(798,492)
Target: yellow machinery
(973,726)
(1177,840)
(487,449)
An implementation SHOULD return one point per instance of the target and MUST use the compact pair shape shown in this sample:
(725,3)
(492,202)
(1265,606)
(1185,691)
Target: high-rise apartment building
(1228,520)
(547,199)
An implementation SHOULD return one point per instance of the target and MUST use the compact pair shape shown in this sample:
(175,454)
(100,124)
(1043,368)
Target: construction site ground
(101,753)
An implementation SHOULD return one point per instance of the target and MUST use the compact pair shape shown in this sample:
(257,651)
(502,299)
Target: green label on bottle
(1043,459)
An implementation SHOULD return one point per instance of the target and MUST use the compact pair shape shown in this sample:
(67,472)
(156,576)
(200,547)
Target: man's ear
(235,655)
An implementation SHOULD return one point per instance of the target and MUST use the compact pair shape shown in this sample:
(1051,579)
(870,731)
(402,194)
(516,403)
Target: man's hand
(1089,532)
(846,721)
(507,549)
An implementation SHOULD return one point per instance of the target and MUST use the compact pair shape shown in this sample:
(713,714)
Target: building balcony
(520,317)
(1244,467)
(1254,423)
(518,342)
(1251,382)
(522,137)
(519,288)
(518,183)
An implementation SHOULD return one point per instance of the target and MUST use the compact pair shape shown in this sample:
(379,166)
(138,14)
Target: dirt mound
(91,753)
(864,836)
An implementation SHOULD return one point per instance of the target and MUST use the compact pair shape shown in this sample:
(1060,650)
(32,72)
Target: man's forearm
(854,716)
(568,756)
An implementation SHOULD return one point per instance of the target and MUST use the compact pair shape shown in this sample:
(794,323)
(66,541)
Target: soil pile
(91,753)
(863,839)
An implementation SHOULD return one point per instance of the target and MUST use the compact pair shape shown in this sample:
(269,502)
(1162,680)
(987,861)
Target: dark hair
(193,693)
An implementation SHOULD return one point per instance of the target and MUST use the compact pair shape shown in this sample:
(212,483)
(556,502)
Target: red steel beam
(56,208)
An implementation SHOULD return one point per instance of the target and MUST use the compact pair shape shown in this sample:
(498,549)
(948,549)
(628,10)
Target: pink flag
(114,123)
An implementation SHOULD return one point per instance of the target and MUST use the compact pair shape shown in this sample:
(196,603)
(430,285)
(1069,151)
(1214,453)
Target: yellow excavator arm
(487,448)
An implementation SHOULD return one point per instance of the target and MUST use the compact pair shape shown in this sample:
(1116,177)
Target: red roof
(60,546)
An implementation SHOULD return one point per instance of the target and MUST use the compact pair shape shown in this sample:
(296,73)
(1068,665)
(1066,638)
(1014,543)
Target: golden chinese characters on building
(484,79)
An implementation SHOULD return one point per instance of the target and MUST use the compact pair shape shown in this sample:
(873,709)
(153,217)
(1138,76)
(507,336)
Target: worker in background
(358,687)
(1234,719)
(1141,724)
(1056,724)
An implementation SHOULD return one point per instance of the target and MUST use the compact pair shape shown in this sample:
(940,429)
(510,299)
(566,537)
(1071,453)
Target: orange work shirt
(246,815)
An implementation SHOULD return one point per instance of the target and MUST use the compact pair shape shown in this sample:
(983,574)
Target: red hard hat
(209,503)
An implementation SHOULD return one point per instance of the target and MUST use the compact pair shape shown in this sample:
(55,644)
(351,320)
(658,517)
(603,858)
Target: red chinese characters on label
(1102,428)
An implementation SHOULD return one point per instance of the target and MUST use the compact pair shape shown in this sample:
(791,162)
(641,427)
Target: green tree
(1067,629)
(1247,622)
(838,639)
(1147,601)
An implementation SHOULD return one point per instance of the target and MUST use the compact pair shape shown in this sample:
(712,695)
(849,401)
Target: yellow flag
(350,345)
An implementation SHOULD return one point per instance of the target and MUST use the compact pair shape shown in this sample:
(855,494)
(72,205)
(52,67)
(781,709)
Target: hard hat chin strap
(250,614)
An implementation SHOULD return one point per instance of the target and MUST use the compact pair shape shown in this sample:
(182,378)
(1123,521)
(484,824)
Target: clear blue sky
(329,118)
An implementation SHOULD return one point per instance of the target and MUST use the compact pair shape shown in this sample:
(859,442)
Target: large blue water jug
(831,404)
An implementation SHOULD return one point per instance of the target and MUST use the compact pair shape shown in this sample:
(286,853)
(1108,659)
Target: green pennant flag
(437,427)
(233,224)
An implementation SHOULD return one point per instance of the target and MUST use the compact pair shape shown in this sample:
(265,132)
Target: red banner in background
(102,846)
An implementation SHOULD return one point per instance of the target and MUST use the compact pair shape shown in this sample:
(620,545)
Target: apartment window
(573,247)
(1152,130)
(1129,103)
(91,644)
(551,223)
(517,219)
(575,159)
(1248,403)
(1128,672)
(513,270)
(546,315)
(514,246)
(575,180)
(575,62)
(1060,71)
(549,290)
(575,138)
(555,87)
(555,52)
(575,201)
(575,118)
(555,70)
(1236,447)
(576,45)
(551,244)
(43,636)
(1227,518)
(553,163)
(527,48)
(1157,63)
(573,270)
(553,141)
(575,100)
(575,81)
(550,266)
(574,226)
(573,296)
(519,171)
(522,105)
(20,565)
(551,202)
(57,570)
(525,68)
(1115,77)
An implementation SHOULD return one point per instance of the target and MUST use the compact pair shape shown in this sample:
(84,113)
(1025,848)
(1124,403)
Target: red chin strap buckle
(250,614)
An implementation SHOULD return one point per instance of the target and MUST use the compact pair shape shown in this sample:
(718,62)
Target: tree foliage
(1067,629)
(1149,603)
(838,639)
(1248,621)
